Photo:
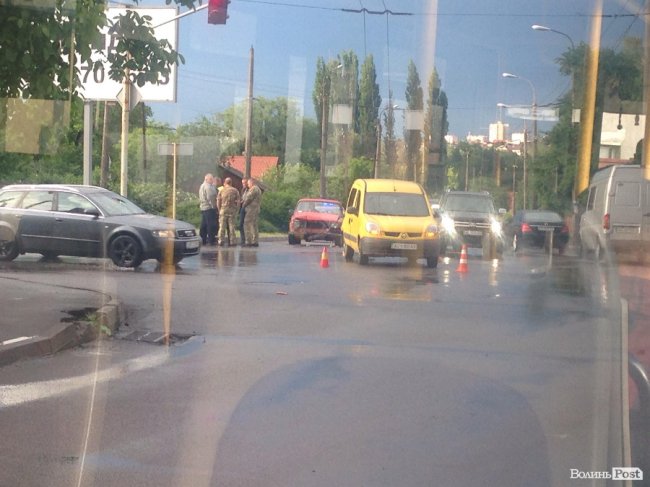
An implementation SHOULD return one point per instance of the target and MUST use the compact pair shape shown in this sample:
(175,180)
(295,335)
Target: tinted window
(74,203)
(9,199)
(352,197)
(113,204)
(38,200)
(592,198)
(627,194)
(543,216)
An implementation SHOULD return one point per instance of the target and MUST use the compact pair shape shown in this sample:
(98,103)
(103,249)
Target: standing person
(242,210)
(218,187)
(208,206)
(228,204)
(252,203)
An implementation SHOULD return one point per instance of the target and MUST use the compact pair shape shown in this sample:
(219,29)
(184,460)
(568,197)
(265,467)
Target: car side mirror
(92,211)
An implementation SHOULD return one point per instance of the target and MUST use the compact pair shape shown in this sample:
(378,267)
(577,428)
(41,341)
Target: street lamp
(543,28)
(534,117)
(574,118)
(378,150)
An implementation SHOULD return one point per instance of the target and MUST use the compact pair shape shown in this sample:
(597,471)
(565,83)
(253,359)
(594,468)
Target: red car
(316,219)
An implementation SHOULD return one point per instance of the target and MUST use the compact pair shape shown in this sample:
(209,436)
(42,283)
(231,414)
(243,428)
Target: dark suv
(470,218)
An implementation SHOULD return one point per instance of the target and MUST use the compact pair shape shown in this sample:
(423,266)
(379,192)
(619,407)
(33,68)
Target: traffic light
(217,11)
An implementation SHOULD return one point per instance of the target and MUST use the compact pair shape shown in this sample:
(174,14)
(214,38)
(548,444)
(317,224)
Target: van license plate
(403,246)
(618,229)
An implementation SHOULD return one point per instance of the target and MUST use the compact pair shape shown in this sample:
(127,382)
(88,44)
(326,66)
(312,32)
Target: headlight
(372,228)
(163,233)
(448,224)
(431,231)
(297,224)
(495,226)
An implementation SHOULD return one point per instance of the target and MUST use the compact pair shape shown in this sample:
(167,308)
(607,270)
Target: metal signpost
(175,149)
(96,85)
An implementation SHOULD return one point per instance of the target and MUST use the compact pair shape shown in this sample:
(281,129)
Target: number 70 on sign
(95,83)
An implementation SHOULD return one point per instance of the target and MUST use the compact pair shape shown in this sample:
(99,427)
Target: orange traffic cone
(462,265)
(324,258)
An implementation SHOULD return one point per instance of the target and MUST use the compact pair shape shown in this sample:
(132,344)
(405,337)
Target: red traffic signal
(217,11)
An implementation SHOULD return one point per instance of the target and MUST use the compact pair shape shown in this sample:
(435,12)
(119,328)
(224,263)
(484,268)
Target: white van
(617,216)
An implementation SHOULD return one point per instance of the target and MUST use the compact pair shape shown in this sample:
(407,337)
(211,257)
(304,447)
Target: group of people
(220,206)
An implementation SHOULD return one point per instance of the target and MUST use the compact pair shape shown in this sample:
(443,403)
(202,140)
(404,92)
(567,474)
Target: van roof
(390,185)
(607,172)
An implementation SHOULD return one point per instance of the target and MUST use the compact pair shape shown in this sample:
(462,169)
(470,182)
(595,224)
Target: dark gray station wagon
(87,221)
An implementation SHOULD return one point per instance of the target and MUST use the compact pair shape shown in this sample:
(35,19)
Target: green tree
(390,145)
(62,34)
(413,138)
(619,85)
(369,102)
(435,129)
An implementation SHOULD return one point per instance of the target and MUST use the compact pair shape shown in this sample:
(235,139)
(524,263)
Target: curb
(62,336)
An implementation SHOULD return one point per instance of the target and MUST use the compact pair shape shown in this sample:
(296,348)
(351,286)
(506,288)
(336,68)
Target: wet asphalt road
(388,374)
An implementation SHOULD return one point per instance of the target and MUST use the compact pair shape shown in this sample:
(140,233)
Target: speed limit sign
(95,83)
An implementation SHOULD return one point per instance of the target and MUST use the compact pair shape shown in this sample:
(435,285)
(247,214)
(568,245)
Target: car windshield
(470,203)
(396,204)
(205,330)
(320,207)
(115,205)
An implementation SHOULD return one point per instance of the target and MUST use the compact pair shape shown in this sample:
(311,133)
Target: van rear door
(645,209)
(625,211)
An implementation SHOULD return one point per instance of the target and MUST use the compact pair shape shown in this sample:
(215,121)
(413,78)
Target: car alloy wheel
(8,250)
(125,251)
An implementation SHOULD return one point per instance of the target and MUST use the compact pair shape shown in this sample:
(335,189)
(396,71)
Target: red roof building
(259,165)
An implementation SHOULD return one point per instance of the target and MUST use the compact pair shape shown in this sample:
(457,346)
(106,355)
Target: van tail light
(525,228)
(606,221)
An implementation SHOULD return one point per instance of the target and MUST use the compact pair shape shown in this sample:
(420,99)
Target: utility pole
(249,116)
(323,138)
(589,105)
(124,149)
(646,96)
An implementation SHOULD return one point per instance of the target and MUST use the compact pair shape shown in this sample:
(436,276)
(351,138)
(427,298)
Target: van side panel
(617,216)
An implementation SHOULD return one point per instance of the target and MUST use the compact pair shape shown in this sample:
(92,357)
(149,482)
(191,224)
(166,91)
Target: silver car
(88,221)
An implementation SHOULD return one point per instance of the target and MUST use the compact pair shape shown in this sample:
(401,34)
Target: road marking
(16,340)
(15,395)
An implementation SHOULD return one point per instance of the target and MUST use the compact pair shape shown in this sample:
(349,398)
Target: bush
(153,198)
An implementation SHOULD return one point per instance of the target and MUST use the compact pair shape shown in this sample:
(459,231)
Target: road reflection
(229,257)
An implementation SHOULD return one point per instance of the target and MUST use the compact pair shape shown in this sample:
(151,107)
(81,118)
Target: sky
(470,43)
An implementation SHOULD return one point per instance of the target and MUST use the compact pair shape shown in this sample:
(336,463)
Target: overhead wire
(387,11)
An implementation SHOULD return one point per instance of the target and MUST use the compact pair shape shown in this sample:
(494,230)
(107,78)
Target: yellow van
(388,217)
